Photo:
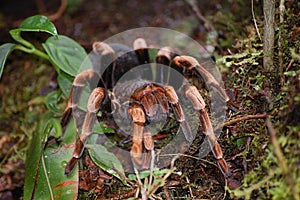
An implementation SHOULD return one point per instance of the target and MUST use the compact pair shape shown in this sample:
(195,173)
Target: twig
(276,145)
(42,9)
(282,161)
(60,11)
(143,192)
(238,119)
(190,189)
(192,157)
(254,20)
(195,8)
(163,180)
(151,166)
(289,65)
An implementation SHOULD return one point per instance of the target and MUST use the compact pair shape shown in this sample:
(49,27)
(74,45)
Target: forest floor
(260,140)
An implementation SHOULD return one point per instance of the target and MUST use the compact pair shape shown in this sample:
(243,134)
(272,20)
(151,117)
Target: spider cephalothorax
(140,100)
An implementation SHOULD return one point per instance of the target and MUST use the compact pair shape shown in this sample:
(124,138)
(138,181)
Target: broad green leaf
(106,160)
(66,54)
(65,83)
(51,102)
(54,128)
(38,23)
(5,50)
(45,178)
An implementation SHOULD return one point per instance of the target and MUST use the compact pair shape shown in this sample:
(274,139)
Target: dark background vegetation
(262,150)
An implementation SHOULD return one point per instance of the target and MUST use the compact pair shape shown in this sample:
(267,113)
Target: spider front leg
(141,137)
(88,76)
(196,99)
(93,107)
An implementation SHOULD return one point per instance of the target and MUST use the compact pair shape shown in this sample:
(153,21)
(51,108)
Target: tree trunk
(269,30)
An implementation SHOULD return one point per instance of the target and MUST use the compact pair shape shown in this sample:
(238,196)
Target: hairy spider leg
(190,63)
(141,49)
(179,115)
(107,58)
(164,56)
(141,134)
(192,93)
(87,76)
(90,77)
(93,106)
(141,137)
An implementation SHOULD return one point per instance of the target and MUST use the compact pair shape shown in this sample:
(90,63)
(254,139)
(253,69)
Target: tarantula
(140,100)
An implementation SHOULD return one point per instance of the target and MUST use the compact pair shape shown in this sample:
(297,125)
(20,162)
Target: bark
(269,30)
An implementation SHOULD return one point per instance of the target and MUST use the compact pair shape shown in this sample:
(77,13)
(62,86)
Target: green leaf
(53,128)
(106,160)
(132,177)
(290,73)
(144,174)
(45,178)
(51,102)
(240,142)
(100,129)
(65,83)
(67,55)
(38,23)
(5,50)
(160,172)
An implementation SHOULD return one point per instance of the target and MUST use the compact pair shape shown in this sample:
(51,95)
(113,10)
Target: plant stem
(277,149)
(254,20)
(41,54)
(32,51)
(282,161)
